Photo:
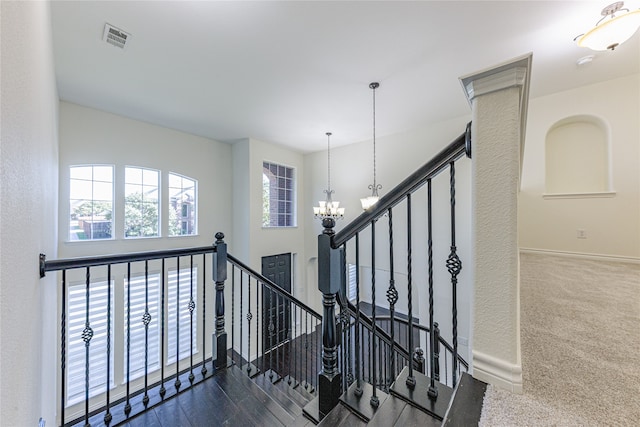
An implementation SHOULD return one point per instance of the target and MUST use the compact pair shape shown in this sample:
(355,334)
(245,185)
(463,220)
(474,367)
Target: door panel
(276,310)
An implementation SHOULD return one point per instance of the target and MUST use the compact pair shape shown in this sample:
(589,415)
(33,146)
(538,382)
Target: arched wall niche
(577,157)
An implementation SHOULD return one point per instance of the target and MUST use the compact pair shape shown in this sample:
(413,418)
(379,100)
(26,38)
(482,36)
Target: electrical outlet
(582,234)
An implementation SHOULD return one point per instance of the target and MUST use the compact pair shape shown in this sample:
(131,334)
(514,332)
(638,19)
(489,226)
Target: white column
(498,98)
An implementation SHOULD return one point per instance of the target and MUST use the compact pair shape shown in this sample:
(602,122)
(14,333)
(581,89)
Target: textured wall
(28,215)
(495,243)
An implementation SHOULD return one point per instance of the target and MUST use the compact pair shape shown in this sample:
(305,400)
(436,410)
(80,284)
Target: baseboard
(502,374)
(580,255)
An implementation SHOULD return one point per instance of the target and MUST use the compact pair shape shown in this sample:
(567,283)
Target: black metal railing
(278,335)
(118,314)
(372,356)
(133,332)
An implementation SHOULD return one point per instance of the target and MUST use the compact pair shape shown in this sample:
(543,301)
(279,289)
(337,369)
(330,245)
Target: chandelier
(612,29)
(371,200)
(328,208)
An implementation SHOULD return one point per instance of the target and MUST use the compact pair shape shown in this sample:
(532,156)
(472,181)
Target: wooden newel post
(219,277)
(329,379)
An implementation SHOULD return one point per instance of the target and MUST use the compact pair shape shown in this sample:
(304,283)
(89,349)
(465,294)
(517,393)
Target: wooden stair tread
(255,403)
(278,395)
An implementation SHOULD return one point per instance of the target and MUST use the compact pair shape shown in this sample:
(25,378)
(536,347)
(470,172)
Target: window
(90,202)
(181,290)
(76,349)
(141,202)
(182,205)
(278,196)
(139,293)
(351,282)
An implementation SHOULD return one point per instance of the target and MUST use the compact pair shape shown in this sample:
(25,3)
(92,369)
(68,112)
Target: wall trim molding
(581,255)
(498,372)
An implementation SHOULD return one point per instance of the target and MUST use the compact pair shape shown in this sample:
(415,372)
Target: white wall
(28,215)
(257,241)
(250,241)
(91,136)
(397,157)
(611,224)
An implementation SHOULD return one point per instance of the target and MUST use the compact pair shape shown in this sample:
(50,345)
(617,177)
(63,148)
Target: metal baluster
(192,307)
(292,333)
(258,337)
(127,406)
(306,350)
(146,319)
(240,321)
(204,314)
(162,355)
(249,317)
(411,381)
(87,334)
(269,310)
(63,346)
(374,401)
(276,332)
(433,389)
(295,351)
(177,382)
(107,415)
(359,367)
(436,352)
(454,265)
(392,292)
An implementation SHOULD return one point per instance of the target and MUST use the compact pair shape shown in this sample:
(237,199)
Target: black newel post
(329,379)
(219,277)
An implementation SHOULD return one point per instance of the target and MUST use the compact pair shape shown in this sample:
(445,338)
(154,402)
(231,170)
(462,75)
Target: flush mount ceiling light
(615,27)
(371,200)
(328,208)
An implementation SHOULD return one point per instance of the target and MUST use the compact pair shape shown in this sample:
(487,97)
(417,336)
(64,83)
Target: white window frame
(144,186)
(276,178)
(194,205)
(76,200)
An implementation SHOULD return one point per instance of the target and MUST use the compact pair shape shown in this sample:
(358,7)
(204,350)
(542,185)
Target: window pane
(103,173)
(133,175)
(278,195)
(182,205)
(81,172)
(90,202)
(141,204)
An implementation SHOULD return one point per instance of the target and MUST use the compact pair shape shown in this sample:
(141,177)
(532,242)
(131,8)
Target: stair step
(290,405)
(341,416)
(293,394)
(257,404)
(418,395)
(466,406)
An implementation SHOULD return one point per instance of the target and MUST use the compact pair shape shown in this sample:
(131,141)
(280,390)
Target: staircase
(274,360)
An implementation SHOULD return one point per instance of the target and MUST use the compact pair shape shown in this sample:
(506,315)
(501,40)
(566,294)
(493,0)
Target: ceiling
(287,72)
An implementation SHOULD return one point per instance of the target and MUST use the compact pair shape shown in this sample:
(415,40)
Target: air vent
(115,36)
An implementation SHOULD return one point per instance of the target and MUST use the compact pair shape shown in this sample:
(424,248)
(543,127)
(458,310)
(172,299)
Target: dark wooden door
(276,310)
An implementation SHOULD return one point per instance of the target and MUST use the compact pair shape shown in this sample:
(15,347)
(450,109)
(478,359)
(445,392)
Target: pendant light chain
(374,86)
(328,165)
(369,201)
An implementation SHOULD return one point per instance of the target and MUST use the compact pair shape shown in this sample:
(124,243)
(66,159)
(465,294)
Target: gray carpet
(580,337)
